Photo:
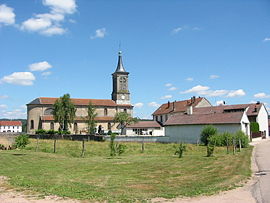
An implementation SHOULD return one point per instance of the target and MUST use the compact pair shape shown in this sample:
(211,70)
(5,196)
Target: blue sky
(173,50)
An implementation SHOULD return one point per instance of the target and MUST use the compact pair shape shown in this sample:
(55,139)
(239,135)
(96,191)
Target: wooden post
(233,146)
(54,144)
(83,148)
(240,145)
(143,146)
(37,143)
(227,144)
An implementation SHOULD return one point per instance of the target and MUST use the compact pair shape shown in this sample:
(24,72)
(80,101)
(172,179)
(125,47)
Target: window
(109,126)
(125,110)
(52,126)
(105,112)
(161,119)
(32,124)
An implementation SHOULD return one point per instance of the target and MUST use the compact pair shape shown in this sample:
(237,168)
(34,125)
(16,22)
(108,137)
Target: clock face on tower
(123,83)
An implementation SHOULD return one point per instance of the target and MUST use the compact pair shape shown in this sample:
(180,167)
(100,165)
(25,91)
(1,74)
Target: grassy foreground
(134,176)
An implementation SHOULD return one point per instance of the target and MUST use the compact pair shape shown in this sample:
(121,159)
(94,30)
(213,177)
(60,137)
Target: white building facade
(10,126)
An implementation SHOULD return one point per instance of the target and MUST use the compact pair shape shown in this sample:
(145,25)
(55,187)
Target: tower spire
(120,67)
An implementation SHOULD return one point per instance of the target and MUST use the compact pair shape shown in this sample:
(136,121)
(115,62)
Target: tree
(91,119)
(124,119)
(64,112)
(207,131)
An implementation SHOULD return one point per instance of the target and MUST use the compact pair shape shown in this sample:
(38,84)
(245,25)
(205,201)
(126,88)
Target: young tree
(64,112)
(207,131)
(91,119)
(124,119)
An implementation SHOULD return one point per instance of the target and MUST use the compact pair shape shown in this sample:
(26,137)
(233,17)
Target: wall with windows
(13,129)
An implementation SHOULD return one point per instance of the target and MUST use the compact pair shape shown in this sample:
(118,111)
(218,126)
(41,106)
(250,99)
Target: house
(151,128)
(187,128)
(166,110)
(40,110)
(256,112)
(10,126)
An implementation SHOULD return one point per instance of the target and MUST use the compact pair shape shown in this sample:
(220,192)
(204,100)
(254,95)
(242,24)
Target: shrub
(207,131)
(180,149)
(210,150)
(21,141)
(115,148)
(2,147)
(51,132)
(254,127)
(120,149)
(239,135)
(40,132)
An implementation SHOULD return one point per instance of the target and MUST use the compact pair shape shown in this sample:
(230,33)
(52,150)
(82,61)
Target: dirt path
(239,195)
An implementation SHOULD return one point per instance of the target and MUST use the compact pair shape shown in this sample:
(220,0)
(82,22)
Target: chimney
(168,105)
(255,109)
(190,110)
(173,106)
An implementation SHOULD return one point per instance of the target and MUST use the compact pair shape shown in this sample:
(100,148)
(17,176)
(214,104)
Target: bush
(210,150)
(40,132)
(2,147)
(51,132)
(115,148)
(254,127)
(180,149)
(21,141)
(239,135)
(207,131)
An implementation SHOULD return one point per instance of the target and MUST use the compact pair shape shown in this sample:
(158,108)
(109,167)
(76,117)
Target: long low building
(10,126)
(151,128)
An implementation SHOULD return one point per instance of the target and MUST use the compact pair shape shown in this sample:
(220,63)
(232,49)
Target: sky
(218,49)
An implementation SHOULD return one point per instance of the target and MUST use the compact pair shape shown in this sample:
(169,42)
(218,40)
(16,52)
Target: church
(39,111)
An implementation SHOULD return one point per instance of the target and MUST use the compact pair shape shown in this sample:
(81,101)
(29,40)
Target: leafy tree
(207,131)
(21,141)
(124,119)
(91,119)
(64,112)
(180,150)
(254,127)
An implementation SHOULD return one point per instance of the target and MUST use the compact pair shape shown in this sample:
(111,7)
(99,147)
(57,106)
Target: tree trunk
(83,148)
(54,145)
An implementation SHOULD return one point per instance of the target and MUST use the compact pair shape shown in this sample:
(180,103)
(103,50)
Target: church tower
(120,92)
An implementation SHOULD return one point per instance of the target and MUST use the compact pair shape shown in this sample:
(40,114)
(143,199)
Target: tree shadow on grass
(18,154)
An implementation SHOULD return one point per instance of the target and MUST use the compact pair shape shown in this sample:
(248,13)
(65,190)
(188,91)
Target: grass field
(134,176)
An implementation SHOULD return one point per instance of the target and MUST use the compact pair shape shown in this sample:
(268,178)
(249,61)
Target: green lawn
(133,176)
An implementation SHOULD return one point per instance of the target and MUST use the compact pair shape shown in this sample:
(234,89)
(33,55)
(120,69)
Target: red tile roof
(178,106)
(223,108)
(10,123)
(104,118)
(145,124)
(214,118)
(80,102)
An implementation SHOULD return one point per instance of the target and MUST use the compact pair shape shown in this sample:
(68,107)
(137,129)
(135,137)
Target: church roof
(79,102)
(120,67)
(177,106)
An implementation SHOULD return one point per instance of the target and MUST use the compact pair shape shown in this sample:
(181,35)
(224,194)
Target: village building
(40,110)
(146,128)
(166,110)
(10,126)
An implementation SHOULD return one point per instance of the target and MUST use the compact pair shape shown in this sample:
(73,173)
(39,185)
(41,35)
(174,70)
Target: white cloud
(236,93)
(49,24)
(138,105)
(176,30)
(53,31)
(266,39)
(100,33)
(168,85)
(61,6)
(3,106)
(153,104)
(172,88)
(220,102)
(213,76)
(189,79)
(3,96)
(40,66)
(7,16)
(196,89)
(17,113)
(46,74)
(19,78)
(166,97)
(214,93)
(36,24)
(261,95)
